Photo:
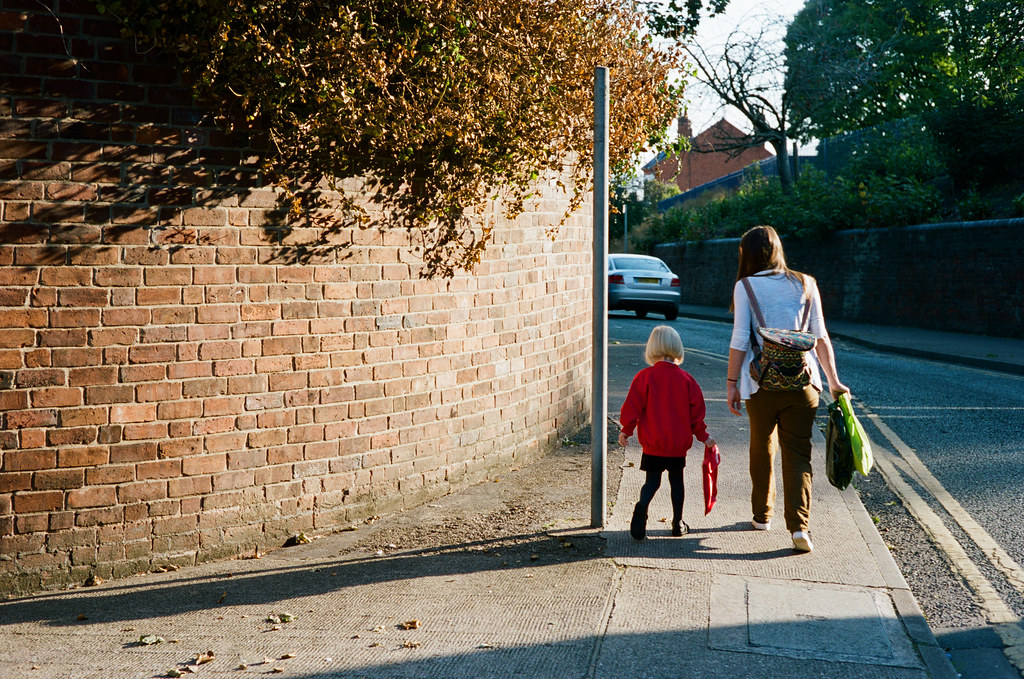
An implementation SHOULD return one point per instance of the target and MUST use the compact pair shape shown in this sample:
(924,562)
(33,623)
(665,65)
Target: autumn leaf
(203,658)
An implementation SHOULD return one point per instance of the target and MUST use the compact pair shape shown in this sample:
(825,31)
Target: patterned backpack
(781,363)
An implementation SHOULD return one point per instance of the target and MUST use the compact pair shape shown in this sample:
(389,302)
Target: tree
(438,106)
(748,75)
(676,19)
(959,64)
(845,64)
(636,201)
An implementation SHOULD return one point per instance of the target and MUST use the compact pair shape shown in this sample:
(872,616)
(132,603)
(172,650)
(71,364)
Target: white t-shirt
(781,300)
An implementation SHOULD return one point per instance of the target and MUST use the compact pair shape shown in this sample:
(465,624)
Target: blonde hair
(663,344)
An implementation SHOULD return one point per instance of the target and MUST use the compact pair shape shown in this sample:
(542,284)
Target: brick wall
(182,379)
(958,277)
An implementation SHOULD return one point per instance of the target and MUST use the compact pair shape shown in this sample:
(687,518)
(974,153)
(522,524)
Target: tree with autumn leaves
(437,106)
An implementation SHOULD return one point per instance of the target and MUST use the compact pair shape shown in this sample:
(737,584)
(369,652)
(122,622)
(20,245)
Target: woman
(785,416)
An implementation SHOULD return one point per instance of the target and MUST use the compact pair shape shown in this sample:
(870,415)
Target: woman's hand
(623,439)
(837,387)
(732,398)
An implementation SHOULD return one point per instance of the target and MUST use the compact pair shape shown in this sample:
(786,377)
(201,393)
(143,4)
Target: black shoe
(679,530)
(638,524)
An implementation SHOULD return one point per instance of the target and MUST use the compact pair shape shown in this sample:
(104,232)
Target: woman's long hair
(761,250)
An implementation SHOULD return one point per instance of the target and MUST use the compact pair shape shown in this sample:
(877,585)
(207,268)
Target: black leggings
(675,481)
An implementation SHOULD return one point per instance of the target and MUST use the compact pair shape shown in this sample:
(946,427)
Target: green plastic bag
(863,458)
(838,449)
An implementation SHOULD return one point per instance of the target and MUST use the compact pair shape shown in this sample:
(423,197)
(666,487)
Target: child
(668,405)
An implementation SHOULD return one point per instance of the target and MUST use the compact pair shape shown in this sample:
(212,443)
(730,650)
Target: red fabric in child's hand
(710,473)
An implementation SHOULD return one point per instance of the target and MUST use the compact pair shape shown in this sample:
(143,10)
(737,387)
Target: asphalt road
(964,426)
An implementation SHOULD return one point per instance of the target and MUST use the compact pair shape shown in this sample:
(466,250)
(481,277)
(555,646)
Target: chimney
(685,131)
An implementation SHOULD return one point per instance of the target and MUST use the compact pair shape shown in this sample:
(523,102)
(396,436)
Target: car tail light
(675,283)
(616,279)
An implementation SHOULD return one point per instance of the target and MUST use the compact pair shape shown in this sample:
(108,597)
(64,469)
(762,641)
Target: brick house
(703,163)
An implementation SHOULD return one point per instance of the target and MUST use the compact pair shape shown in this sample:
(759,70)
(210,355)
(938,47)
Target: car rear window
(639,263)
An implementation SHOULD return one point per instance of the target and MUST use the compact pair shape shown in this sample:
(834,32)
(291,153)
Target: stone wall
(184,378)
(962,277)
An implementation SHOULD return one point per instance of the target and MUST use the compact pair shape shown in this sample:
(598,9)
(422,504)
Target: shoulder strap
(807,313)
(757,308)
(753,302)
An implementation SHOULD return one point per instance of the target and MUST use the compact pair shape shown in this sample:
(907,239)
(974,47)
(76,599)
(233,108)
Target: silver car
(640,283)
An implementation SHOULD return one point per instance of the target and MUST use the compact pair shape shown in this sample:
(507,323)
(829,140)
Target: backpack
(780,363)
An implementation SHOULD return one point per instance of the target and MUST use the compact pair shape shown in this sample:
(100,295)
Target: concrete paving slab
(475,620)
(663,625)
(808,621)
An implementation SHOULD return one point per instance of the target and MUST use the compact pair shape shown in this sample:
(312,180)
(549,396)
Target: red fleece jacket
(668,405)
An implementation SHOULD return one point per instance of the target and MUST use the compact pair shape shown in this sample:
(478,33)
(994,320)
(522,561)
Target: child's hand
(710,443)
(623,439)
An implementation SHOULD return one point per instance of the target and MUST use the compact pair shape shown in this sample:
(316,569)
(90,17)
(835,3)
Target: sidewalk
(721,601)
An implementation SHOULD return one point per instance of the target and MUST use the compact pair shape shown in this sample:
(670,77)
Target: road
(948,484)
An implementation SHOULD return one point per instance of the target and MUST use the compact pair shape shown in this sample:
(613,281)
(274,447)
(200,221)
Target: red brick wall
(181,380)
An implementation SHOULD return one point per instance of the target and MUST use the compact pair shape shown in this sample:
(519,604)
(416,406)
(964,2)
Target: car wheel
(671,313)
(641,313)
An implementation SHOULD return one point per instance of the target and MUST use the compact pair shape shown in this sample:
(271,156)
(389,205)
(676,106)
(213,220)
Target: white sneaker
(802,541)
(761,526)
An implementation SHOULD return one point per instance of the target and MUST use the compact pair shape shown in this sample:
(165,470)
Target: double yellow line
(906,463)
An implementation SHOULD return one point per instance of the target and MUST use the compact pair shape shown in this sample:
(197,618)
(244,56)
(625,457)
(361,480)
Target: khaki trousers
(786,417)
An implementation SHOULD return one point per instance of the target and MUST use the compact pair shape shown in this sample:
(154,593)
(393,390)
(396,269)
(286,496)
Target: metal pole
(625,228)
(599,363)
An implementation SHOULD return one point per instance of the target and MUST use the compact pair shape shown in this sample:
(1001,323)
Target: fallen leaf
(150,639)
(174,672)
(379,629)
(274,618)
(298,539)
(663,520)
(410,624)
(203,658)
(267,660)
(411,644)
(287,656)
(93,580)
(375,644)
(275,628)
(276,670)
(243,666)
(286,617)
(486,644)
(82,616)
(534,557)
(223,597)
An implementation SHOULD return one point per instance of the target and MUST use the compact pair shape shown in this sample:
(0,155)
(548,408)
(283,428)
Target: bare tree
(748,74)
